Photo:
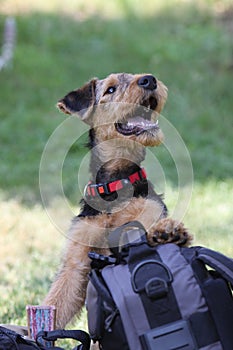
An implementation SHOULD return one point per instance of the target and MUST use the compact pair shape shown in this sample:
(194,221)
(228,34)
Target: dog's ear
(79,101)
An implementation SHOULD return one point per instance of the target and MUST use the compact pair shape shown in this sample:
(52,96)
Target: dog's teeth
(136,126)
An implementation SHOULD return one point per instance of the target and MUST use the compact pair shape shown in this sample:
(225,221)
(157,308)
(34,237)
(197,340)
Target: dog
(122,111)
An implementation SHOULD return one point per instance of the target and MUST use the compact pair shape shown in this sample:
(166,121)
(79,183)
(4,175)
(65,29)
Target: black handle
(81,336)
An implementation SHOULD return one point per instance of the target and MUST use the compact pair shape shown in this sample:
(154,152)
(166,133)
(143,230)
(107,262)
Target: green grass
(185,44)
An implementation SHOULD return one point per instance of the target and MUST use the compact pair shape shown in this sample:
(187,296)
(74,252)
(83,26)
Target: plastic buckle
(106,258)
(175,335)
(156,288)
(144,277)
(102,188)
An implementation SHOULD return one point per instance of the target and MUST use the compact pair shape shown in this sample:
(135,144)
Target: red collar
(93,190)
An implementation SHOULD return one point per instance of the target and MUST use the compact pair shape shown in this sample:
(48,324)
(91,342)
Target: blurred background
(59,45)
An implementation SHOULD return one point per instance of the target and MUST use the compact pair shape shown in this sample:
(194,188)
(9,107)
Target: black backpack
(159,298)
(10,340)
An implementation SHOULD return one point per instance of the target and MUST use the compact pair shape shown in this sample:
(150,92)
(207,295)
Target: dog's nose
(148,82)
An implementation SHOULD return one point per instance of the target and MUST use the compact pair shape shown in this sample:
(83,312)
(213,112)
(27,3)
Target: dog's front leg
(168,230)
(68,291)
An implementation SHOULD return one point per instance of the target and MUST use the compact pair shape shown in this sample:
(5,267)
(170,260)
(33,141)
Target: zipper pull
(109,320)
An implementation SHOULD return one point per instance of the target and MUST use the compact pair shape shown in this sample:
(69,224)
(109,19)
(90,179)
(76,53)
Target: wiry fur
(102,104)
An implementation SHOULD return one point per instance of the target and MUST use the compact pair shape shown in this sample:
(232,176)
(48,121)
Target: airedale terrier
(122,111)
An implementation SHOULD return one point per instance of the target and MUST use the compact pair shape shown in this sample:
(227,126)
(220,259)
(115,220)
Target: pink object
(40,318)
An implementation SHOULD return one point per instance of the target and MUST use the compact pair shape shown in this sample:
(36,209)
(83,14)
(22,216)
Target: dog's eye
(110,90)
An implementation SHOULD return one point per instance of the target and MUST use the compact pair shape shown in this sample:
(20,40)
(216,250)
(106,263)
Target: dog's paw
(169,231)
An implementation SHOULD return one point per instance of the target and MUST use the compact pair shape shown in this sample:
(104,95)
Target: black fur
(81,99)
(142,188)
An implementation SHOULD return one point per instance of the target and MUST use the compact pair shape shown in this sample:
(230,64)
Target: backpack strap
(216,289)
(218,261)
(116,237)
(125,235)
(129,304)
(152,279)
(78,335)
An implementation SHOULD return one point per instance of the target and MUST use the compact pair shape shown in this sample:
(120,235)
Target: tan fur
(115,152)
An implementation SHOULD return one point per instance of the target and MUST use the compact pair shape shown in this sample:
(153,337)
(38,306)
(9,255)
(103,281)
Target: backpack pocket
(104,320)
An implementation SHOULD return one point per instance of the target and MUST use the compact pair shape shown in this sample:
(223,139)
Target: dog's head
(124,106)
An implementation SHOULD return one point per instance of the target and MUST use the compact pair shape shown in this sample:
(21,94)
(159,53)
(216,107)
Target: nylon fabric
(130,306)
(159,311)
(199,314)
(93,314)
(215,262)
(184,283)
(216,346)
